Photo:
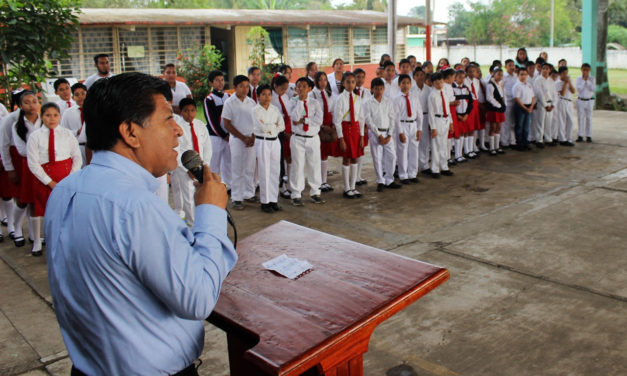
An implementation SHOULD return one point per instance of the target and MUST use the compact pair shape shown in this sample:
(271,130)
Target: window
(379,43)
(319,45)
(339,44)
(297,47)
(164,44)
(361,45)
(70,66)
(96,40)
(134,50)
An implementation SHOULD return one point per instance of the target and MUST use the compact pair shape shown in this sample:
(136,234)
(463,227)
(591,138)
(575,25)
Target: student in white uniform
(52,154)
(101,62)
(544,90)
(73,120)
(329,147)
(335,79)
(440,123)
(586,88)
(422,91)
(220,150)
(364,93)
(525,101)
(380,115)
(195,137)
(389,73)
(254,75)
(311,69)
(408,129)
(63,90)
(267,124)
(179,89)
(563,117)
(238,121)
(305,144)
(286,71)
(531,77)
(404,67)
(508,128)
(463,114)
(495,103)
(282,101)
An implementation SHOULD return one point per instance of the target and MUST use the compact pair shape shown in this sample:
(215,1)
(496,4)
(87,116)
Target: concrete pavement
(535,242)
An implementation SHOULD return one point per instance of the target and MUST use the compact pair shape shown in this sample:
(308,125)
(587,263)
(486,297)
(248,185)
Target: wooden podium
(320,323)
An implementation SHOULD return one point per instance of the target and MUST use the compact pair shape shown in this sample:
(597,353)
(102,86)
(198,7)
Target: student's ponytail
(20,126)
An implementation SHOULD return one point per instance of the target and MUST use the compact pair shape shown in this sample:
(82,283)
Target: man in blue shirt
(131,283)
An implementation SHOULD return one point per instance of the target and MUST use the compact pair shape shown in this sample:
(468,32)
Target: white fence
(484,55)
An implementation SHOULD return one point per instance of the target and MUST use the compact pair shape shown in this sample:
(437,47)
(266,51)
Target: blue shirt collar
(127,167)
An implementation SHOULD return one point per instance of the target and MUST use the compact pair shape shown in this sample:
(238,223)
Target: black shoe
(552,143)
(286,194)
(405,181)
(357,193)
(447,173)
(493,152)
(12,235)
(252,200)
(37,253)
(588,139)
(297,202)
(275,206)
(316,199)
(19,241)
(528,147)
(567,143)
(426,172)
(579,139)
(539,145)
(380,187)
(361,182)
(414,180)
(228,192)
(1,238)
(237,205)
(4,222)
(555,141)
(266,208)
(500,151)
(435,175)
(349,195)
(394,185)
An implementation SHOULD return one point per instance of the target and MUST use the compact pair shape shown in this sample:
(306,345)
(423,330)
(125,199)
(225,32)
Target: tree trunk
(603,98)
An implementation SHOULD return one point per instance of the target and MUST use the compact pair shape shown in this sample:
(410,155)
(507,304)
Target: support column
(589,26)
(428,29)
(392,26)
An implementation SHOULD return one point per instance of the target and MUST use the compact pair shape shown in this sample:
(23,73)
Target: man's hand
(418,135)
(212,191)
(434,133)
(402,137)
(382,140)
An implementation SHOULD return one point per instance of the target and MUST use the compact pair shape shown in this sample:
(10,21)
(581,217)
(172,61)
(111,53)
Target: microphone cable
(231,222)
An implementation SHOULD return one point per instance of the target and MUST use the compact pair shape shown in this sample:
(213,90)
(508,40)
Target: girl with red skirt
(52,154)
(329,144)
(463,113)
(495,105)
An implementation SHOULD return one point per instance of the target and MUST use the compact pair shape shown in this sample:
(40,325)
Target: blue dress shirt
(131,283)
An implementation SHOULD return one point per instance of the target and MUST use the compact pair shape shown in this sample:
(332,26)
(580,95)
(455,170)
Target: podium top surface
(351,286)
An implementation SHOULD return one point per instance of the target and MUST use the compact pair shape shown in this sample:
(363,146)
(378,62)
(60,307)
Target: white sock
(475,136)
(10,205)
(450,146)
(465,145)
(491,138)
(3,209)
(482,138)
(497,140)
(347,178)
(353,175)
(20,213)
(324,166)
(36,233)
(359,163)
(458,147)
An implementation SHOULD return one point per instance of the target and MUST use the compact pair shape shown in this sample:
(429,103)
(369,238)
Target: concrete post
(392,22)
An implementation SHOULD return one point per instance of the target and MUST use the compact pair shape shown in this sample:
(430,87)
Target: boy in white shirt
(238,121)
(380,114)
(563,117)
(389,73)
(305,144)
(544,90)
(422,91)
(508,129)
(73,120)
(281,100)
(63,90)
(404,67)
(179,89)
(213,105)
(440,123)
(525,101)
(195,137)
(360,80)
(409,129)
(268,123)
(254,75)
(586,88)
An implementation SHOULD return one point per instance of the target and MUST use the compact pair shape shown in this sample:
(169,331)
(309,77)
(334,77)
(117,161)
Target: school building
(144,40)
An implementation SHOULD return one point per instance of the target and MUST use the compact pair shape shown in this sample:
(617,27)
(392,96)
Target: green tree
(195,65)
(31,33)
(617,34)
(459,20)
(210,4)
(376,5)
(618,12)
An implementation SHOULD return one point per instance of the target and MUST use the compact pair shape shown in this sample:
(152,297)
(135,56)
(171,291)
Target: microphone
(194,164)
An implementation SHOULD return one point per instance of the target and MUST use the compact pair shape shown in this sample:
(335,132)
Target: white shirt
(380,115)
(462,107)
(179,91)
(480,89)
(314,119)
(6,139)
(391,91)
(3,112)
(508,84)
(267,122)
(333,84)
(524,92)
(402,113)
(398,88)
(435,108)
(448,92)
(240,113)
(423,96)
(64,106)
(65,147)
(186,143)
(20,144)
(72,120)
(317,95)
(252,89)
(287,101)
(586,88)
(490,93)
(93,78)
(544,90)
(363,93)
(559,85)
(342,112)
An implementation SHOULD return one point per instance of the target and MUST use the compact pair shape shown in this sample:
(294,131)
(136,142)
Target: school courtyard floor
(536,244)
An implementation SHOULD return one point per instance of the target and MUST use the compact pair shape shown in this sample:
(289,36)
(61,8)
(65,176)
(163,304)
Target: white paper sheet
(288,267)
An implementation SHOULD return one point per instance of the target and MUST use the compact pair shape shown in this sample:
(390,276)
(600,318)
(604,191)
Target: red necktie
(325,105)
(306,125)
(254,95)
(194,138)
(443,104)
(351,107)
(472,86)
(359,91)
(286,117)
(82,122)
(51,146)
(69,104)
(408,106)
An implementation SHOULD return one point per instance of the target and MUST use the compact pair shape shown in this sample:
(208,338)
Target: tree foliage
(195,65)
(618,12)
(210,4)
(31,33)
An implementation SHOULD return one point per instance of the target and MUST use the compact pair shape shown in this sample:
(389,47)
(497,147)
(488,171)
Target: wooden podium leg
(237,364)
(353,367)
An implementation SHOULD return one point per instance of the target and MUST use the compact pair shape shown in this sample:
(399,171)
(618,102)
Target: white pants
(543,125)
(425,144)
(242,170)
(305,162)
(584,117)
(383,158)
(508,129)
(162,191)
(407,153)
(221,159)
(564,120)
(439,146)
(183,193)
(268,154)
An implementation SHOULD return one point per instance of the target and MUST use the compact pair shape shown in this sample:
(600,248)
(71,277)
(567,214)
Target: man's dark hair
(521,69)
(279,80)
(402,77)
(403,61)
(359,71)
(239,79)
(448,73)
(586,65)
(562,69)
(540,61)
(410,57)
(497,62)
(127,97)
(560,60)
(252,70)
(436,76)
(530,64)
(306,80)
(58,83)
(99,56)
(387,63)
(418,70)
(215,73)
(77,86)
(376,82)
(547,65)
(283,68)
(186,102)
(509,61)
(169,65)
(263,87)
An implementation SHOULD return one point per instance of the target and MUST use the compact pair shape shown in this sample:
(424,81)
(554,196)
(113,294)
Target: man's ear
(130,132)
